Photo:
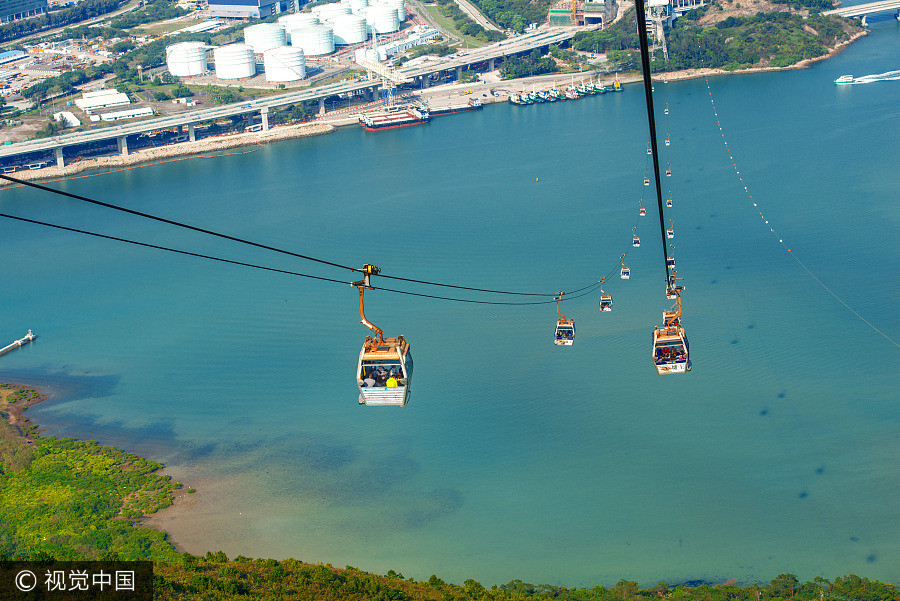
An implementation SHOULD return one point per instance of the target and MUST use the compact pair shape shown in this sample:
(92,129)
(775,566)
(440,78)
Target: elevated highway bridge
(869,8)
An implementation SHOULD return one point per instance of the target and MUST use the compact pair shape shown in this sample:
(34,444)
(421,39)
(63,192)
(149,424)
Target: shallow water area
(515,458)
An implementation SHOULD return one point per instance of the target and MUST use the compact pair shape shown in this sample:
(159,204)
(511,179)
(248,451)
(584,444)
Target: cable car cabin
(670,233)
(648,149)
(667,110)
(669,202)
(642,212)
(565,332)
(670,262)
(670,344)
(635,241)
(606,302)
(667,140)
(384,373)
(646,181)
(668,172)
(625,273)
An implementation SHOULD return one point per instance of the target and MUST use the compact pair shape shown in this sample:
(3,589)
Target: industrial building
(10,10)
(246,9)
(101,99)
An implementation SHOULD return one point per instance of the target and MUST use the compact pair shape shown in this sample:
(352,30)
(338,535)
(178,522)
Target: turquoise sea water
(515,458)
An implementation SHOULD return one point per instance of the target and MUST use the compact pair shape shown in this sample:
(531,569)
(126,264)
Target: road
(476,15)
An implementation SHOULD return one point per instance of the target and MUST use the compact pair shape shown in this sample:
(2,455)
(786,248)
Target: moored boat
(394,117)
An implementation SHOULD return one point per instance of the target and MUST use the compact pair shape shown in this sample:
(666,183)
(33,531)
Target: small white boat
(844,79)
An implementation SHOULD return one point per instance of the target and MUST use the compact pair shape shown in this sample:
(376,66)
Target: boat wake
(889,76)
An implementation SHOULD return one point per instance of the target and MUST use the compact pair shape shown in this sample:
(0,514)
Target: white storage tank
(315,40)
(382,19)
(186,59)
(399,6)
(234,61)
(285,64)
(357,7)
(297,21)
(349,29)
(264,36)
(327,11)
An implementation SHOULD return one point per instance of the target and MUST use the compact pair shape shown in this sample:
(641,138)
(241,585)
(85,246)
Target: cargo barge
(473,104)
(396,117)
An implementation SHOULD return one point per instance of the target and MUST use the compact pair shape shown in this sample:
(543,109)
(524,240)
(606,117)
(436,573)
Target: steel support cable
(648,92)
(257,244)
(275,270)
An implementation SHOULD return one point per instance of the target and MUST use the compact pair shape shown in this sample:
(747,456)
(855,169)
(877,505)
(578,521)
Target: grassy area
(75,499)
(447,25)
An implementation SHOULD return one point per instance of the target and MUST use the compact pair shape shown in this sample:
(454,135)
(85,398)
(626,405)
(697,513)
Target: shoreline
(446,94)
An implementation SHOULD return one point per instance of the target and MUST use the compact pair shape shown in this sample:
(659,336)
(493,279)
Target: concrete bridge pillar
(321,106)
(60,161)
(122,142)
(491,65)
(264,113)
(191,134)
(458,73)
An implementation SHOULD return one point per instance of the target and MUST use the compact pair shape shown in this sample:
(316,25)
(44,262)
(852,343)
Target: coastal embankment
(490,89)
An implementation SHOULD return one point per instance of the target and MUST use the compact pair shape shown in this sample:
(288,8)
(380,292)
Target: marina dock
(20,342)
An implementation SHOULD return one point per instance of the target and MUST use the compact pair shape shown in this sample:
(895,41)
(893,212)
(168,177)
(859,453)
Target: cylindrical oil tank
(315,40)
(285,64)
(357,7)
(382,19)
(296,21)
(349,29)
(399,5)
(186,59)
(327,11)
(264,36)
(234,61)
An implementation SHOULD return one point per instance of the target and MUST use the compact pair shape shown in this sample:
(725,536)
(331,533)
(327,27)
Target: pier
(20,342)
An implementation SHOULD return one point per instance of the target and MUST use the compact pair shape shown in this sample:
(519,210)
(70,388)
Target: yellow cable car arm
(362,316)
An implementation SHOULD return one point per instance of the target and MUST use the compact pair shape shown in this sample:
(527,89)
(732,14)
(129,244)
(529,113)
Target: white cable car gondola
(648,149)
(624,273)
(384,371)
(667,139)
(669,200)
(667,109)
(565,328)
(670,350)
(670,262)
(605,299)
(668,170)
(642,211)
(646,180)
(635,240)
(670,233)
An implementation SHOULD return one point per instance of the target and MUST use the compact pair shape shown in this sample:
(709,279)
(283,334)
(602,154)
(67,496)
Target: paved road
(476,15)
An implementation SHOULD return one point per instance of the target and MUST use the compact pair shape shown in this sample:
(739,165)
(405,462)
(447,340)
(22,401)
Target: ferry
(844,79)
(394,117)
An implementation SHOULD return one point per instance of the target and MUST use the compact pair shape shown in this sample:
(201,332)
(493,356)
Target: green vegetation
(515,14)
(214,577)
(777,39)
(466,25)
(72,499)
(533,64)
(158,11)
(87,9)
